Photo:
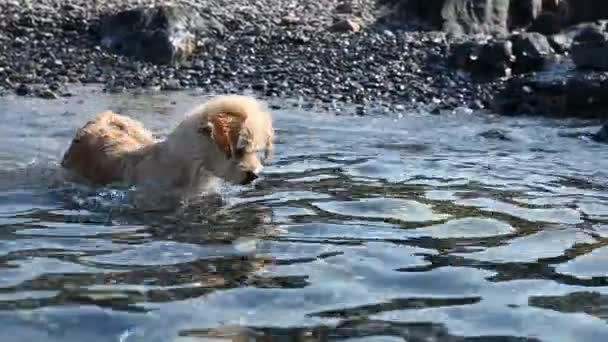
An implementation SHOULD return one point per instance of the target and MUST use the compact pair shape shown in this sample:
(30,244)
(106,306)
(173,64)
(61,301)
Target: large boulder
(548,23)
(532,52)
(345,25)
(563,41)
(522,13)
(161,35)
(454,16)
(484,61)
(590,49)
(522,53)
(602,134)
(579,11)
(555,93)
(557,15)
(552,19)
(475,16)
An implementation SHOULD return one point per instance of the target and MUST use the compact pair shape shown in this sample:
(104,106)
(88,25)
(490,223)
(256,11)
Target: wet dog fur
(221,139)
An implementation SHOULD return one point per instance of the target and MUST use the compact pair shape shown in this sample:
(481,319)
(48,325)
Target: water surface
(458,227)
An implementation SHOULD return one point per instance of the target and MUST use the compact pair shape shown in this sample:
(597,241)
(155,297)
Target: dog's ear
(225,130)
(243,140)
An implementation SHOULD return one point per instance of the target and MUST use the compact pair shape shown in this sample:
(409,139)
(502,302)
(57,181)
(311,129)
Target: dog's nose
(249,177)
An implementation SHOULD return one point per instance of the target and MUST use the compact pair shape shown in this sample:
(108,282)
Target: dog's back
(98,151)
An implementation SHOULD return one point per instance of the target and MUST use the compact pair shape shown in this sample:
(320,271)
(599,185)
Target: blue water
(418,227)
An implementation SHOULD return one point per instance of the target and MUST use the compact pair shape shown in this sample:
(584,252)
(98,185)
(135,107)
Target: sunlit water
(458,227)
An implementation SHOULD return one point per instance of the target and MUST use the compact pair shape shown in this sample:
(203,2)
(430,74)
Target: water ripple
(425,228)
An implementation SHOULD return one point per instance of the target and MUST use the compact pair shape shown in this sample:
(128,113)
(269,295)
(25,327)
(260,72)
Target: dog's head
(242,135)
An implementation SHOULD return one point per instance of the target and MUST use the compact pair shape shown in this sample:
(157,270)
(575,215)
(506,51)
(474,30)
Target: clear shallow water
(425,228)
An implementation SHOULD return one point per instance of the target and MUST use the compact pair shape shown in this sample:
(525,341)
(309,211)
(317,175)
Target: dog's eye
(240,152)
(206,130)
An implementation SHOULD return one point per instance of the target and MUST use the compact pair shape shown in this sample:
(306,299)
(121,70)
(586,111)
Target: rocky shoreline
(276,48)
(330,52)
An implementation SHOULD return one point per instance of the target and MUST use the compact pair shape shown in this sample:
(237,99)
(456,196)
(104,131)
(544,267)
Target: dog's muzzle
(249,177)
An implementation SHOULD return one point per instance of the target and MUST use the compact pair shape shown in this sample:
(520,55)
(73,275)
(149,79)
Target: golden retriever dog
(221,139)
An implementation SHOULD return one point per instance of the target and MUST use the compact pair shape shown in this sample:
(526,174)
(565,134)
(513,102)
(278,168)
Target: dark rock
(522,13)
(551,5)
(602,134)
(562,42)
(346,25)
(579,11)
(475,16)
(591,34)
(591,57)
(532,52)
(531,96)
(47,93)
(590,49)
(553,18)
(162,35)
(588,92)
(454,16)
(290,20)
(260,86)
(23,90)
(344,7)
(115,88)
(41,91)
(55,86)
(559,94)
(548,23)
(464,55)
(485,61)
(171,85)
(496,134)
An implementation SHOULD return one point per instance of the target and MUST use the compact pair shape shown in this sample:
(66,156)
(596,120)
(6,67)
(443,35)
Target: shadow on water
(417,227)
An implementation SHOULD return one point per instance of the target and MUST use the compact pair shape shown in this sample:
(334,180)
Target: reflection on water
(424,228)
